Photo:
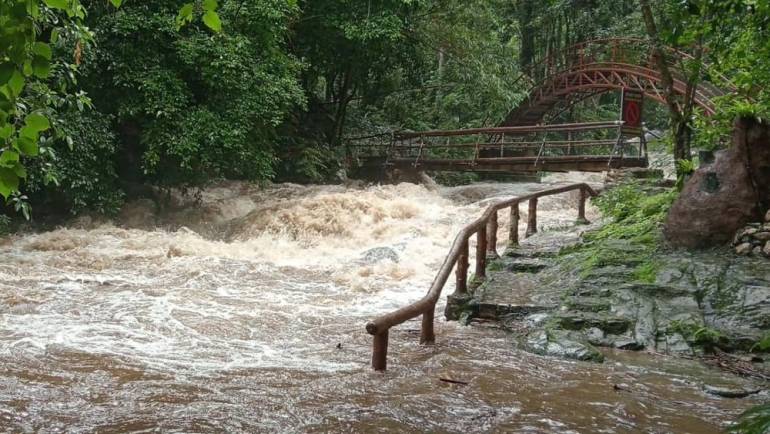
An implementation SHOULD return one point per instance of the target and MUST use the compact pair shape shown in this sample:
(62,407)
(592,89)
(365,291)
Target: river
(246,313)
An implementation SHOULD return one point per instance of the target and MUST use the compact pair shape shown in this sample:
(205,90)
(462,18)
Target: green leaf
(9,182)
(27,146)
(116,3)
(6,71)
(209,5)
(27,69)
(16,83)
(57,4)
(28,132)
(41,67)
(37,122)
(20,171)
(6,132)
(185,15)
(9,156)
(212,21)
(42,49)
(54,36)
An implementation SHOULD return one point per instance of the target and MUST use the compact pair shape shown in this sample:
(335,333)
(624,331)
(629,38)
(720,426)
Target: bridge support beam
(532,218)
(492,237)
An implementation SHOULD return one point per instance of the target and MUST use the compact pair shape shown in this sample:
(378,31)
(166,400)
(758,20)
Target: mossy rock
(562,344)
(578,320)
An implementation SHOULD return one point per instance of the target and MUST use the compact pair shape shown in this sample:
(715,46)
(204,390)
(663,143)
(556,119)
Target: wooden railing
(485,228)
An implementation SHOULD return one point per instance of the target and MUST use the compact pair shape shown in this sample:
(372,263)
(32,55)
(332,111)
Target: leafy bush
(82,165)
(190,105)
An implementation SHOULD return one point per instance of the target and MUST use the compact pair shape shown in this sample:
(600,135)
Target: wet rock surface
(697,299)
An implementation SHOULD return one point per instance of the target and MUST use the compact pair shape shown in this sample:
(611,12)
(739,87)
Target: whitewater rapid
(242,308)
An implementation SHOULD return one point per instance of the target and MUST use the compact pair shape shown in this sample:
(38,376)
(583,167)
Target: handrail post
(492,237)
(427,336)
(380,351)
(513,236)
(532,218)
(481,253)
(461,273)
(582,207)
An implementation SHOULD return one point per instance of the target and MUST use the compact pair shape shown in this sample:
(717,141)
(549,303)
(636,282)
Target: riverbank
(576,289)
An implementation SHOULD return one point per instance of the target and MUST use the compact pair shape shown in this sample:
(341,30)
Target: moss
(647,272)
(496,265)
(632,238)
(698,334)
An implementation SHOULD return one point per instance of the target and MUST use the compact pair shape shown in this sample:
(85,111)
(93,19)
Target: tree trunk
(679,111)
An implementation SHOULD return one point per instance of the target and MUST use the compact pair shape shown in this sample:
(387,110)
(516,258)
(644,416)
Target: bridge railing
(530,144)
(485,230)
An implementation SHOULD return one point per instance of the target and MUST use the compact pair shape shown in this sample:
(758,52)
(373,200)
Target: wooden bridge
(588,147)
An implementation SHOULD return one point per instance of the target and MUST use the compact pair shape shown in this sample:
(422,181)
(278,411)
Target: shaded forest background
(134,99)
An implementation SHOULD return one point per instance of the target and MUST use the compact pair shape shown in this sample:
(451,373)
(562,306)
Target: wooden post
(532,218)
(428,336)
(380,351)
(582,207)
(461,272)
(481,253)
(513,236)
(492,237)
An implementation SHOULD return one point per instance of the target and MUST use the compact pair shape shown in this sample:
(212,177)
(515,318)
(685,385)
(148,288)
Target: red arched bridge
(606,65)
(524,142)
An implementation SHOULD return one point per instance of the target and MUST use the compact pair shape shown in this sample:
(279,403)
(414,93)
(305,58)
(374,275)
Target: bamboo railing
(485,228)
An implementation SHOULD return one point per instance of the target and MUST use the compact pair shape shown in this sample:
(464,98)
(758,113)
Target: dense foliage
(97,97)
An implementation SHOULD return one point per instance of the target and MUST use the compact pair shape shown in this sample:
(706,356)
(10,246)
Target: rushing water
(246,313)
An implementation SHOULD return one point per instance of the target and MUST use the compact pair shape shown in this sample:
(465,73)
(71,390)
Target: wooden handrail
(458,254)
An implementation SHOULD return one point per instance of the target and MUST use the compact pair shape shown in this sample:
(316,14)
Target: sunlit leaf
(212,21)
(37,122)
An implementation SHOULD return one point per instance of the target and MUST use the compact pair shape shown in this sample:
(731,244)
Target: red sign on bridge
(631,114)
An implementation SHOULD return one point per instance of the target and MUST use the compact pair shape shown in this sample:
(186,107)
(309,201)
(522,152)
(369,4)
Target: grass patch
(633,236)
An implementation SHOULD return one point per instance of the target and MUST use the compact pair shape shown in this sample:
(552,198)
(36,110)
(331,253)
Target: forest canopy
(98,97)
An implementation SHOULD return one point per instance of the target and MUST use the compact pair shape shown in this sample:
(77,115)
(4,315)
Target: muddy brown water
(247,314)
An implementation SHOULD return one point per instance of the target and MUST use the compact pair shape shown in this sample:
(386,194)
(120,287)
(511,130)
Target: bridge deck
(583,163)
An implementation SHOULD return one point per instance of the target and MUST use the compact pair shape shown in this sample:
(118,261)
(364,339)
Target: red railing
(485,228)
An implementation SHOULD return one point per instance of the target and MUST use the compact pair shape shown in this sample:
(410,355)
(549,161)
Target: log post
(513,236)
(428,336)
(461,272)
(481,253)
(582,207)
(532,218)
(492,237)
(380,351)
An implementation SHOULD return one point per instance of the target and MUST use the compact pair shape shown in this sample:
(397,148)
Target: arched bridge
(604,65)
(525,142)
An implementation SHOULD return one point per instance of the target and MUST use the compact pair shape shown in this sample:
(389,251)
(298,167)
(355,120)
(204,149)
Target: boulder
(766,250)
(379,254)
(722,197)
(743,249)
